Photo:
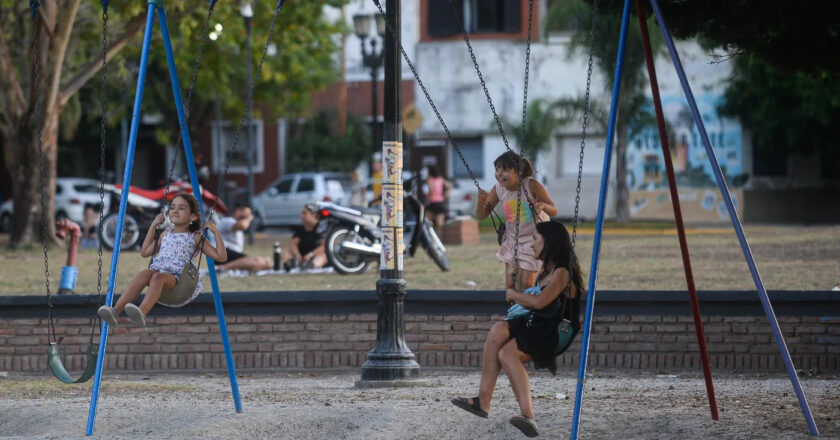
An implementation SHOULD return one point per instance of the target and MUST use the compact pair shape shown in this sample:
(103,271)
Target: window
(86,188)
(306,184)
(58,189)
(473,151)
(284,186)
(477,17)
(223,151)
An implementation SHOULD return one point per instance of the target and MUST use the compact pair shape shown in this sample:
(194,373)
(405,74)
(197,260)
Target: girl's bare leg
(528,279)
(513,361)
(490,366)
(159,282)
(133,290)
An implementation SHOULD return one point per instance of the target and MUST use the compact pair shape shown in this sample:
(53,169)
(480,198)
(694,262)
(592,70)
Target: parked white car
(462,199)
(281,203)
(71,196)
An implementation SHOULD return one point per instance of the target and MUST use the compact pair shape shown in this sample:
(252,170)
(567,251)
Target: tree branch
(87,72)
(62,38)
(7,70)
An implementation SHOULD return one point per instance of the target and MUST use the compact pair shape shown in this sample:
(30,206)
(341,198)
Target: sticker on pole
(392,162)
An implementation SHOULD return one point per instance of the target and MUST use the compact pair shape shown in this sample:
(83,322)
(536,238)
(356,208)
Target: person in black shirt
(307,246)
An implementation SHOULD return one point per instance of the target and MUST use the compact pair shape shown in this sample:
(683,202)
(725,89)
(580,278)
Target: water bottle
(278,253)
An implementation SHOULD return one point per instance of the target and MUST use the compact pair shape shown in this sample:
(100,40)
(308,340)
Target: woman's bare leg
(160,281)
(133,290)
(513,361)
(490,367)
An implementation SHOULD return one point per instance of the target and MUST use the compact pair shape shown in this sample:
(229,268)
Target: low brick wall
(296,330)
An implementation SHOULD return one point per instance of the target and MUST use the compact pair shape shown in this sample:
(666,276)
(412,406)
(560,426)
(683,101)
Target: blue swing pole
(115,257)
(599,224)
(736,222)
(188,155)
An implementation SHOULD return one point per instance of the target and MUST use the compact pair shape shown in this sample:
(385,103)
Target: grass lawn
(646,257)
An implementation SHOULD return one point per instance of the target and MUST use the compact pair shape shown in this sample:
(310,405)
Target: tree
(785,111)
(317,144)
(70,46)
(633,113)
(540,123)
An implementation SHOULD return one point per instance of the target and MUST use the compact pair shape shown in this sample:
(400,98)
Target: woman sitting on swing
(177,248)
(552,306)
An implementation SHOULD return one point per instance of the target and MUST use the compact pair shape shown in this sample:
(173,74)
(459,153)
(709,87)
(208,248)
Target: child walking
(504,192)
(177,245)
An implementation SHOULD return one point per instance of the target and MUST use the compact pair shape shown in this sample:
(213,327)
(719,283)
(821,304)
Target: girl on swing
(553,304)
(177,246)
(504,192)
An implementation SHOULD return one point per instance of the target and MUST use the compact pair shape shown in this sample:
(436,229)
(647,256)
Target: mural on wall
(646,175)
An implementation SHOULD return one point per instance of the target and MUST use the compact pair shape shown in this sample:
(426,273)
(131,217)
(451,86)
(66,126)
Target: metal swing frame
(730,208)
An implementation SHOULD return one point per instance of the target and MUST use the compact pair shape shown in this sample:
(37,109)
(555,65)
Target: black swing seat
(60,373)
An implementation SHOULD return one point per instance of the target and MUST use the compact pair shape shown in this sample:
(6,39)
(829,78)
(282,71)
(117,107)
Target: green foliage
(785,111)
(542,119)
(317,145)
(790,35)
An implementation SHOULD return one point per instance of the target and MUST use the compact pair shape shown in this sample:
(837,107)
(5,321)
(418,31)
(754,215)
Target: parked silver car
(71,196)
(281,203)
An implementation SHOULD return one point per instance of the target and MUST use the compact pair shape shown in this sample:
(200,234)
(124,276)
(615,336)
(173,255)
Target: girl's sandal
(138,319)
(472,408)
(109,315)
(525,424)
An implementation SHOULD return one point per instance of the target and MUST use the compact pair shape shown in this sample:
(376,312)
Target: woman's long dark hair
(557,251)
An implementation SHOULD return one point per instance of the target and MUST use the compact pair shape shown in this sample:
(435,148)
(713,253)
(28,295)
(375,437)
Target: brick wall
(638,341)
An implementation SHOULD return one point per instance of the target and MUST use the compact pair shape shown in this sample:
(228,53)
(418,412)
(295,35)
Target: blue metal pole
(115,257)
(188,154)
(599,224)
(736,222)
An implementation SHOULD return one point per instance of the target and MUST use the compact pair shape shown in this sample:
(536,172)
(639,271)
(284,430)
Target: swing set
(95,355)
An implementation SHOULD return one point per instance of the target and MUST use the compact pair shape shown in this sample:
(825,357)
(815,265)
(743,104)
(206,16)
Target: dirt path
(326,406)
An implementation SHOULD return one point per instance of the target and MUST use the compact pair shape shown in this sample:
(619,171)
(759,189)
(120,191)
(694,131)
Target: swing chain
(187,103)
(584,123)
(521,165)
(102,156)
(480,76)
(36,44)
(429,99)
(246,114)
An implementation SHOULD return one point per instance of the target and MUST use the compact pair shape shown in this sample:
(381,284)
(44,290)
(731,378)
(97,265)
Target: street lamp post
(248,13)
(391,362)
(372,59)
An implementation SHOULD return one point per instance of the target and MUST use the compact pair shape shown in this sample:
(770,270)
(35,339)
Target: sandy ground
(325,405)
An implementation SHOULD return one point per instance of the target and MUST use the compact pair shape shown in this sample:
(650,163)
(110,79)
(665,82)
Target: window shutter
(441,19)
(512,14)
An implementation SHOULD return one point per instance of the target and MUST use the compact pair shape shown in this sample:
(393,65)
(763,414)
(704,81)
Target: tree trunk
(622,192)
(24,169)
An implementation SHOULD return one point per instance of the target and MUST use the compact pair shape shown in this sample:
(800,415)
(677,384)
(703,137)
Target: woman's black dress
(536,333)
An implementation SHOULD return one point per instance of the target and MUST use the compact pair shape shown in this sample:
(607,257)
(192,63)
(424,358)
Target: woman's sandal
(525,424)
(472,408)
(138,319)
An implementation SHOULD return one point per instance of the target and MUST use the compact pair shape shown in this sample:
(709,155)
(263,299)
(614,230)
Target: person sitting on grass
(233,232)
(307,249)
(177,246)
(533,336)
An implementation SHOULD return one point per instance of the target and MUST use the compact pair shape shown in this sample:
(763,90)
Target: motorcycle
(353,238)
(141,208)
(140,212)
(176,187)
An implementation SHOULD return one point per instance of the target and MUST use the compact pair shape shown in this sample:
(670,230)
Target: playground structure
(156,8)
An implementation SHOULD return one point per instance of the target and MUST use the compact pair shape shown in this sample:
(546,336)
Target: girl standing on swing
(177,246)
(504,192)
